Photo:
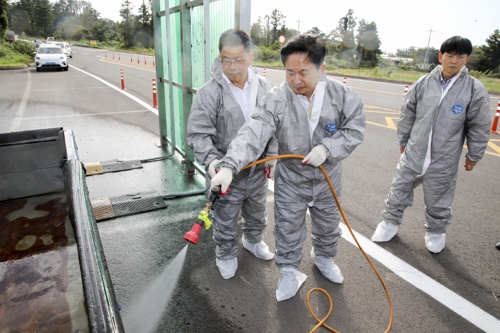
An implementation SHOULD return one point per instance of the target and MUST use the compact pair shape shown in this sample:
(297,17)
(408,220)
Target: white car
(50,56)
(65,47)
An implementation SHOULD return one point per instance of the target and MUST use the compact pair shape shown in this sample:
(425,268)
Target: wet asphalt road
(109,125)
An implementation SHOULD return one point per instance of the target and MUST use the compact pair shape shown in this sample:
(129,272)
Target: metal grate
(128,204)
(95,168)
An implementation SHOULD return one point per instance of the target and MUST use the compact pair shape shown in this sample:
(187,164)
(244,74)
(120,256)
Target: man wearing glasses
(220,108)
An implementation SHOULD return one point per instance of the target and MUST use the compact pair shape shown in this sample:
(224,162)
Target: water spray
(203,219)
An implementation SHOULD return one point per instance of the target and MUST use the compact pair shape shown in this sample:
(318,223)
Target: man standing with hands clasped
(440,111)
(220,108)
(310,115)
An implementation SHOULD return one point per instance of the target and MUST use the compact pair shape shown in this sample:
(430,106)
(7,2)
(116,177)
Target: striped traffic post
(345,80)
(123,81)
(264,72)
(406,89)
(495,120)
(155,99)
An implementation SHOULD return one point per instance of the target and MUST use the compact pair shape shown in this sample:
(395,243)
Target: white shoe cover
(260,249)
(384,232)
(289,283)
(435,242)
(227,267)
(327,267)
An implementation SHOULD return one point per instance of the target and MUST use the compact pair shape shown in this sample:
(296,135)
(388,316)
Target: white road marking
(22,106)
(84,53)
(145,105)
(86,115)
(410,274)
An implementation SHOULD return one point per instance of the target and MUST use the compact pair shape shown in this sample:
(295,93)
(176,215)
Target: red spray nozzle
(192,235)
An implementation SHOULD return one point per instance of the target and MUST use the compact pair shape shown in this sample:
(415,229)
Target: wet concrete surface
(138,247)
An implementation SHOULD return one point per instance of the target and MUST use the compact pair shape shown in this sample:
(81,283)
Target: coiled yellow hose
(322,321)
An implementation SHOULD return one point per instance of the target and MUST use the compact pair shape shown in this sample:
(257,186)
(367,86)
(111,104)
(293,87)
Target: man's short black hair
(234,37)
(310,44)
(456,45)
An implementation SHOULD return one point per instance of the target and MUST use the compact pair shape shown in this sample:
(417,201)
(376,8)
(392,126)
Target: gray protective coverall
(214,121)
(433,126)
(340,128)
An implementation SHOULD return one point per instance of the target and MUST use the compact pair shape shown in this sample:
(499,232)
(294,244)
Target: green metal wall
(188,46)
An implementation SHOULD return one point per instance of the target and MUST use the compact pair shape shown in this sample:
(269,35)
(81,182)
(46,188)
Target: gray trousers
(292,199)
(439,190)
(247,192)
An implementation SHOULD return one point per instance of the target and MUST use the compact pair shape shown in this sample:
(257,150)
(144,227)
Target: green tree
(22,17)
(276,19)
(43,19)
(144,26)
(490,61)
(126,26)
(4,22)
(476,57)
(432,57)
(317,31)
(257,32)
(344,33)
(368,43)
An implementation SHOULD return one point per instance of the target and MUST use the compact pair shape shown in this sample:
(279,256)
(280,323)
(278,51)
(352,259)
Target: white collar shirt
(242,96)
(314,105)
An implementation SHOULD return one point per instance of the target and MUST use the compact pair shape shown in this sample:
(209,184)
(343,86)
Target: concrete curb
(13,67)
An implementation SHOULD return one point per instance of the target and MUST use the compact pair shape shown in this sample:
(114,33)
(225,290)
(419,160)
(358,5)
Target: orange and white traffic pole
(155,99)
(263,72)
(144,60)
(138,59)
(123,81)
(406,89)
(495,120)
(345,80)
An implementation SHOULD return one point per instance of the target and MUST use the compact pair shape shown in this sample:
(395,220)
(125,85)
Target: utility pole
(428,42)
(298,28)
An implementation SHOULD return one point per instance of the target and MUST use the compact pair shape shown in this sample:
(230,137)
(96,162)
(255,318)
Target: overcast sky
(400,23)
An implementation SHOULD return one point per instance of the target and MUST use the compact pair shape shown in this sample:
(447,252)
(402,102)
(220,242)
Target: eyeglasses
(230,62)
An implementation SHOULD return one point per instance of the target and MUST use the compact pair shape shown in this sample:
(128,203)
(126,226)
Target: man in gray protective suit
(220,108)
(310,115)
(440,111)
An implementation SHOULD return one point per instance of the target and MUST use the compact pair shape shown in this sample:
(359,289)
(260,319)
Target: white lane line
(145,105)
(79,88)
(22,106)
(87,114)
(84,53)
(410,274)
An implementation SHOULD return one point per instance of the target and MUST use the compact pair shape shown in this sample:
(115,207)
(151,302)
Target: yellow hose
(322,321)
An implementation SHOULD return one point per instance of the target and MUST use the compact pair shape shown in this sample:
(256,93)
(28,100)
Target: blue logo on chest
(331,127)
(457,109)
